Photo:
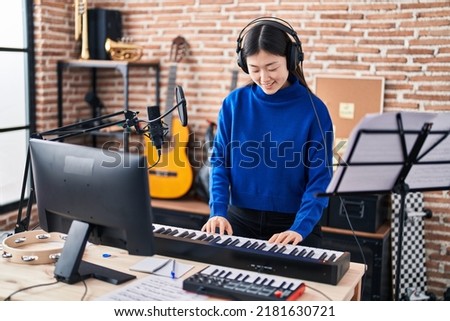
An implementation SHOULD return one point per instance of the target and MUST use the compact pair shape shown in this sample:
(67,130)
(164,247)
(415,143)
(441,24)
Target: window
(17,97)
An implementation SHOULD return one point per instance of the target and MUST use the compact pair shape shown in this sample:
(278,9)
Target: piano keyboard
(296,261)
(236,284)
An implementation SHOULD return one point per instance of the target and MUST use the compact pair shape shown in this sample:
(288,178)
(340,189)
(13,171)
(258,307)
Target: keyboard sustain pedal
(245,289)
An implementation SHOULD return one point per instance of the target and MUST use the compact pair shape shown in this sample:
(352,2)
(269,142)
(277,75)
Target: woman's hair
(272,40)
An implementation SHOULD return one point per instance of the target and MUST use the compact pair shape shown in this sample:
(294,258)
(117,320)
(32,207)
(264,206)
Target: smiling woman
(275,120)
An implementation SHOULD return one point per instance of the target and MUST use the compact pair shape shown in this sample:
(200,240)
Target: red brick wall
(406,42)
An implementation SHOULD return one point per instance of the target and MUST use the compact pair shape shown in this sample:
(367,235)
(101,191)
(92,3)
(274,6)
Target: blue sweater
(271,154)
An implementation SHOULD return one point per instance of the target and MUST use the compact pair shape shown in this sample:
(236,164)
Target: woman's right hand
(218,223)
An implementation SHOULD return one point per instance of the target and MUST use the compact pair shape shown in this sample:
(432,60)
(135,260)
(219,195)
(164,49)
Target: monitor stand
(71,269)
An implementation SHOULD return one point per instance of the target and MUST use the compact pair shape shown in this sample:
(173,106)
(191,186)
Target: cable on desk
(8,298)
(320,292)
(85,291)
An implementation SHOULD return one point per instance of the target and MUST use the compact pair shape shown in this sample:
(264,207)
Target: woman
(273,147)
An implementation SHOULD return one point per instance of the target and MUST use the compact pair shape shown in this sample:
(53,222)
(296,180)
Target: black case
(102,24)
(366,213)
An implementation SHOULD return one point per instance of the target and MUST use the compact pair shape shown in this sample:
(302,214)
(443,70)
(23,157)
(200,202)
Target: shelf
(121,66)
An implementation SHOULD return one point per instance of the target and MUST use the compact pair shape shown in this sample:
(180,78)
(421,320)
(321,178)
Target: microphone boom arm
(130,121)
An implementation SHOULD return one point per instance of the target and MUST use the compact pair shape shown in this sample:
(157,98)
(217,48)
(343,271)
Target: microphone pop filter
(181,102)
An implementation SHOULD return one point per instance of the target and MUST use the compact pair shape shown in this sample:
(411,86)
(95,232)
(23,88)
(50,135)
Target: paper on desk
(152,288)
(152,264)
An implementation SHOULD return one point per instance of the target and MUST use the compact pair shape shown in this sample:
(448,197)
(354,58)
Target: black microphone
(156,128)
(181,102)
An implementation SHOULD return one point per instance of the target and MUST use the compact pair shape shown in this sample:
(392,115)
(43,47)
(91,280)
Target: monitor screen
(95,195)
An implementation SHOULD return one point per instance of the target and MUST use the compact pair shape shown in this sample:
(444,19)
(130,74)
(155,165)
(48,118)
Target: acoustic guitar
(172,176)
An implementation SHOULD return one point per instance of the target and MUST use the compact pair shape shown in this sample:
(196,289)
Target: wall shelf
(122,66)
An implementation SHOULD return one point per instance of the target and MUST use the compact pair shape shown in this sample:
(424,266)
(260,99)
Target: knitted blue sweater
(271,154)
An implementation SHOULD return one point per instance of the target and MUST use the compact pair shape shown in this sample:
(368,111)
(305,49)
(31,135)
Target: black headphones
(294,53)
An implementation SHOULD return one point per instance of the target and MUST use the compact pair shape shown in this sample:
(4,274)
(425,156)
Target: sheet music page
(378,148)
(153,288)
(435,176)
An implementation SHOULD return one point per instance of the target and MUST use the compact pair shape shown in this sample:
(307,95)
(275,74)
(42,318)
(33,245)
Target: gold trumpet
(122,50)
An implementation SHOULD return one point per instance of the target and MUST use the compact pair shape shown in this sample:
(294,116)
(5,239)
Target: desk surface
(15,276)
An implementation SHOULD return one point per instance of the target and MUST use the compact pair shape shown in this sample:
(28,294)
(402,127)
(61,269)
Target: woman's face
(268,71)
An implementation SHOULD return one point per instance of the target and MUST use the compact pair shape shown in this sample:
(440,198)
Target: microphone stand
(131,120)
(65,132)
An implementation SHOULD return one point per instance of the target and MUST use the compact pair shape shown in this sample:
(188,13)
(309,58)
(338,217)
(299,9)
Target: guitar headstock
(179,49)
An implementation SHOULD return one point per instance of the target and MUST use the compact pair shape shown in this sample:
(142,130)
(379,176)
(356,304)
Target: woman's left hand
(286,237)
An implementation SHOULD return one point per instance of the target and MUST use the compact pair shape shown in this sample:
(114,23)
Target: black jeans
(263,224)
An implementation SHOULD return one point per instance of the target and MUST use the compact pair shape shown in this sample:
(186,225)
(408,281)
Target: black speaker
(366,213)
(377,281)
(103,24)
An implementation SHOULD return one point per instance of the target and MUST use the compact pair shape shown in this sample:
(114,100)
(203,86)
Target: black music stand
(395,152)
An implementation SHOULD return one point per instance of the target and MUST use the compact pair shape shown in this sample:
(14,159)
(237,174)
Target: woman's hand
(286,237)
(218,222)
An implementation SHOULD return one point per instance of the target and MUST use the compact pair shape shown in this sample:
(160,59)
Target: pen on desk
(172,273)
(161,266)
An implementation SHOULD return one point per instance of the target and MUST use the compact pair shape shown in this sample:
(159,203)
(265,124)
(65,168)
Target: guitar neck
(170,94)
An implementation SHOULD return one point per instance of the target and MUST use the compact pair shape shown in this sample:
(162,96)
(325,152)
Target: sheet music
(373,148)
(153,288)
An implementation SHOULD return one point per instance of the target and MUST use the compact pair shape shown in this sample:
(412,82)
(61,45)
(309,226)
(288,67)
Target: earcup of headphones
(294,56)
(241,62)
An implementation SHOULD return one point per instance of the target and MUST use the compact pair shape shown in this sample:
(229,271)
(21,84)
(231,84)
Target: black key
(227,241)
(202,237)
(323,256)
(209,238)
(246,244)
(282,249)
(254,245)
(331,258)
(190,235)
(261,246)
(294,251)
(174,232)
(183,234)
(235,242)
(214,240)
(273,248)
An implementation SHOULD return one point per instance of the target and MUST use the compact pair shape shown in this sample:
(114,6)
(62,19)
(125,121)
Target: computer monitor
(96,195)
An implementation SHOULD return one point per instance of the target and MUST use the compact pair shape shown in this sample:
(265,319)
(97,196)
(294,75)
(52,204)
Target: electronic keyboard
(294,261)
(236,284)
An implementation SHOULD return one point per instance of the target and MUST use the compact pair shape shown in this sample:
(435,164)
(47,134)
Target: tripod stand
(396,152)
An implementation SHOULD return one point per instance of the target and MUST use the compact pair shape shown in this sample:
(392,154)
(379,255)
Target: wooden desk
(15,276)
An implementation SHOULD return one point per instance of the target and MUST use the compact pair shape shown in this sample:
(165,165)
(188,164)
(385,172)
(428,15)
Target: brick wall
(406,42)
